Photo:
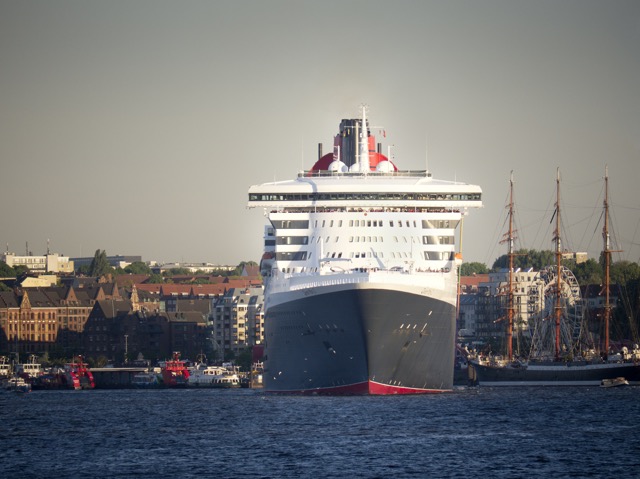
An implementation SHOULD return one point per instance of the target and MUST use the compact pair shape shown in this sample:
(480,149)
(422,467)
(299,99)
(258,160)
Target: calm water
(470,433)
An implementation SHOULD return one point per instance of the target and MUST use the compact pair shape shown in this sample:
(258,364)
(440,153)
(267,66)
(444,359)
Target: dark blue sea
(469,433)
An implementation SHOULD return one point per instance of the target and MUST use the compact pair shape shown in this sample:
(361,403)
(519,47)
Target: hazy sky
(137,127)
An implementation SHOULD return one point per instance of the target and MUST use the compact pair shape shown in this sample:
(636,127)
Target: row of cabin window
(368,223)
(365,196)
(428,255)
(303,240)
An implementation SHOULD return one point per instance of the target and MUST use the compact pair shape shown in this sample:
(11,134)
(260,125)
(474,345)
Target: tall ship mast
(558,310)
(606,252)
(360,273)
(509,239)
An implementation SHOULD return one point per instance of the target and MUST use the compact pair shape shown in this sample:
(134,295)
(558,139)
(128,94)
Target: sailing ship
(562,365)
(360,273)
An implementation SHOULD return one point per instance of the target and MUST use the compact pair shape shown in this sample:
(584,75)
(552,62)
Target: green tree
(21,269)
(138,267)
(469,269)
(229,355)
(623,272)
(243,361)
(525,259)
(155,278)
(83,270)
(177,272)
(6,271)
(100,264)
(589,272)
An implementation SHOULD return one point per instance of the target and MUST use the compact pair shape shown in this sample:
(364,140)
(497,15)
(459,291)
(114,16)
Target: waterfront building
(41,320)
(192,267)
(467,319)
(487,321)
(118,332)
(526,294)
(27,327)
(190,333)
(238,319)
(255,318)
(49,263)
(117,261)
(470,286)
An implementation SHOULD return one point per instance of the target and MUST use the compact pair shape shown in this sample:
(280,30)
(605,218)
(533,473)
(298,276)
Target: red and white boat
(174,372)
(77,375)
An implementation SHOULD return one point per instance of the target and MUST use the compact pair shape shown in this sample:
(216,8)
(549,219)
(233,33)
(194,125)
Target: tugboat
(175,373)
(77,375)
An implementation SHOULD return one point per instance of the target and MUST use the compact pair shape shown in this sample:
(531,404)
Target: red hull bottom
(364,388)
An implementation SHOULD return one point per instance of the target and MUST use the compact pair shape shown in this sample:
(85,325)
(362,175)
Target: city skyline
(138,127)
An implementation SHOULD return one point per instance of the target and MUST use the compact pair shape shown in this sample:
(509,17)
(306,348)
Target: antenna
(426,153)
(364,143)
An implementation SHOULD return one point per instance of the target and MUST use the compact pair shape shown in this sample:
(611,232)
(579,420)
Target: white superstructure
(361,222)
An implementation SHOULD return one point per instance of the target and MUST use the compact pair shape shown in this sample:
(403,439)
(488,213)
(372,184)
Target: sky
(137,127)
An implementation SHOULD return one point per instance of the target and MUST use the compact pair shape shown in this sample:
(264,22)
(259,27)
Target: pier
(114,378)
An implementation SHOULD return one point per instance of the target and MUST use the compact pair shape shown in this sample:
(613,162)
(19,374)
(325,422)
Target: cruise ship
(360,272)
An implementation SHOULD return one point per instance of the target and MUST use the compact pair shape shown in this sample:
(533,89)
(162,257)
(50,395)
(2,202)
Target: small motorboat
(614,382)
(17,384)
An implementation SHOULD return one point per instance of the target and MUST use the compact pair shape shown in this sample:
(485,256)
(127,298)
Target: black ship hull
(360,341)
(553,374)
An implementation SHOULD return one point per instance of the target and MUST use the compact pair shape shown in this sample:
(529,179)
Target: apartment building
(238,319)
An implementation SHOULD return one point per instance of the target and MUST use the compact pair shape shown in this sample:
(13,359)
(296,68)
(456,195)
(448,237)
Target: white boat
(31,369)
(17,384)
(226,381)
(5,367)
(147,380)
(212,377)
(615,382)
